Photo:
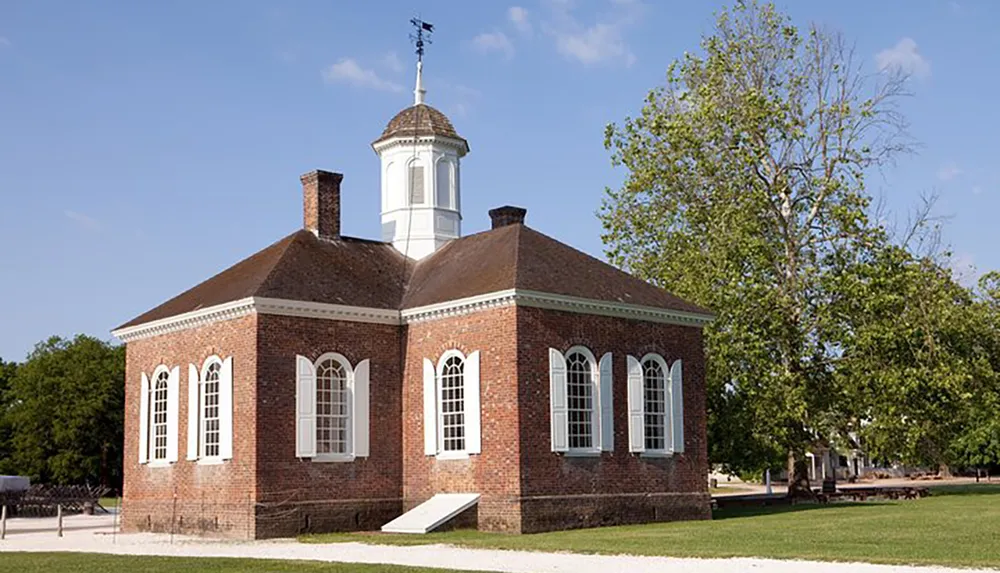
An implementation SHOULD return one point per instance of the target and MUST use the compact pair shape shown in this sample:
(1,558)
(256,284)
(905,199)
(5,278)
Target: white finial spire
(418,93)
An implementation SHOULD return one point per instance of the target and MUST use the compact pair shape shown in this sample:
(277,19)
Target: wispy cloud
(348,71)
(603,41)
(392,62)
(518,16)
(977,190)
(904,57)
(85,222)
(949,171)
(4,41)
(489,42)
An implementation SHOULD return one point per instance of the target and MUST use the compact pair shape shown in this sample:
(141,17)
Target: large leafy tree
(7,370)
(917,361)
(66,412)
(745,193)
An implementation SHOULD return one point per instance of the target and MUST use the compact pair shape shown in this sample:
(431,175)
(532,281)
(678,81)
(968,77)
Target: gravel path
(93,535)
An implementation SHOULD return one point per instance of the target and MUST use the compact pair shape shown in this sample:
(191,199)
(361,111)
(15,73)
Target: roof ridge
(517,254)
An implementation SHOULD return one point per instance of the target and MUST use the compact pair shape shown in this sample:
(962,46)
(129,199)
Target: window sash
(451,405)
(580,402)
(654,382)
(209,407)
(332,408)
(158,419)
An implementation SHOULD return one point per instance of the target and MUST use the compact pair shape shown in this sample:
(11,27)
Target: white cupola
(420,152)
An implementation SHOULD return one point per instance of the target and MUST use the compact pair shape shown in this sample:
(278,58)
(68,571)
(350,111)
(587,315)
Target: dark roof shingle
(372,274)
(420,120)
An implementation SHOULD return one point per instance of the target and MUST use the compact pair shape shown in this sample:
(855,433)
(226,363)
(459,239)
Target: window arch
(582,405)
(209,408)
(334,386)
(656,403)
(451,402)
(415,180)
(158,424)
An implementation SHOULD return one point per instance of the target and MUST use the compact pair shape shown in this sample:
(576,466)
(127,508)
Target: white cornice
(459,307)
(193,319)
(305,309)
(403,141)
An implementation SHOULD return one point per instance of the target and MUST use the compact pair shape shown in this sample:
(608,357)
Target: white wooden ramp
(432,513)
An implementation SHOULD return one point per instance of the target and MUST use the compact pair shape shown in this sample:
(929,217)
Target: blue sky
(145,146)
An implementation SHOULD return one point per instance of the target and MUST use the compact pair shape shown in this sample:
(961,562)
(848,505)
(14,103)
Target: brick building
(332,383)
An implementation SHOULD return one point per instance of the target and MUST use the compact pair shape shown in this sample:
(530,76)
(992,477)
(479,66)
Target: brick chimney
(507,215)
(321,203)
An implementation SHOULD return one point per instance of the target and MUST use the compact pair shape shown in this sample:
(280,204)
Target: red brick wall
(210,498)
(494,472)
(545,473)
(363,494)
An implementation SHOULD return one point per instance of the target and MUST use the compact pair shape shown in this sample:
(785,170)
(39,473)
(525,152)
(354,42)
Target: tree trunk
(798,478)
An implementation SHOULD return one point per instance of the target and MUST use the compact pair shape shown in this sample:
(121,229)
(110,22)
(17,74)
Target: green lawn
(955,526)
(90,562)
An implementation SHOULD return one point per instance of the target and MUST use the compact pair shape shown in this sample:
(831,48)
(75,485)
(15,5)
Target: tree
(917,357)
(745,193)
(7,370)
(67,412)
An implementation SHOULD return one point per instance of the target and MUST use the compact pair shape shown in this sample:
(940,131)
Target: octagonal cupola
(420,153)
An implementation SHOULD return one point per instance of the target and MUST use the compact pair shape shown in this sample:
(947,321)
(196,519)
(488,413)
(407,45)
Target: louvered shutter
(430,409)
(144,419)
(226,409)
(559,416)
(473,414)
(677,406)
(607,404)
(305,407)
(193,413)
(636,407)
(362,426)
(173,413)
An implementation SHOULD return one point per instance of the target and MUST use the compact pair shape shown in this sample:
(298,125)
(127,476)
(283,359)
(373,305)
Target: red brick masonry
(266,491)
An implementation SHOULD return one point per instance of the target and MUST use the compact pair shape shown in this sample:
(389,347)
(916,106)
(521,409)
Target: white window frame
(348,454)
(151,427)
(595,404)
(438,391)
(202,426)
(668,414)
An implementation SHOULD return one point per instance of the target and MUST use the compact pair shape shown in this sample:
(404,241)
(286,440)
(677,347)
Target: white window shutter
(430,409)
(473,413)
(677,406)
(362,405)
(607,405)
(557,401)
(226,409)
(144,419)
(636,407)
(173,413)
(194,413)
(305,407)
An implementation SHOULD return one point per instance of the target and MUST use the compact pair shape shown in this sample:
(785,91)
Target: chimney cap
(321,175)
(507,215)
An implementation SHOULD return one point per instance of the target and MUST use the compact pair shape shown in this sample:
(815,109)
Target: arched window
(333,405)
(451,383)
(331,408)
(656,402)
(210,387)
(443,180)
(580,403)
(415,185)
(158,421)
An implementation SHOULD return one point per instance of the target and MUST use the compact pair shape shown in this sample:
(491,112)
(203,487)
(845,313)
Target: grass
(956,526)
(89,562)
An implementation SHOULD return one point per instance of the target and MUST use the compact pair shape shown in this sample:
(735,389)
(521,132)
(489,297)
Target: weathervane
(418,39)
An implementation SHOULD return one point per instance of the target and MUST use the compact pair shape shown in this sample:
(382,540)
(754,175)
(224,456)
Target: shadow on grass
(756,511)
(964,489)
